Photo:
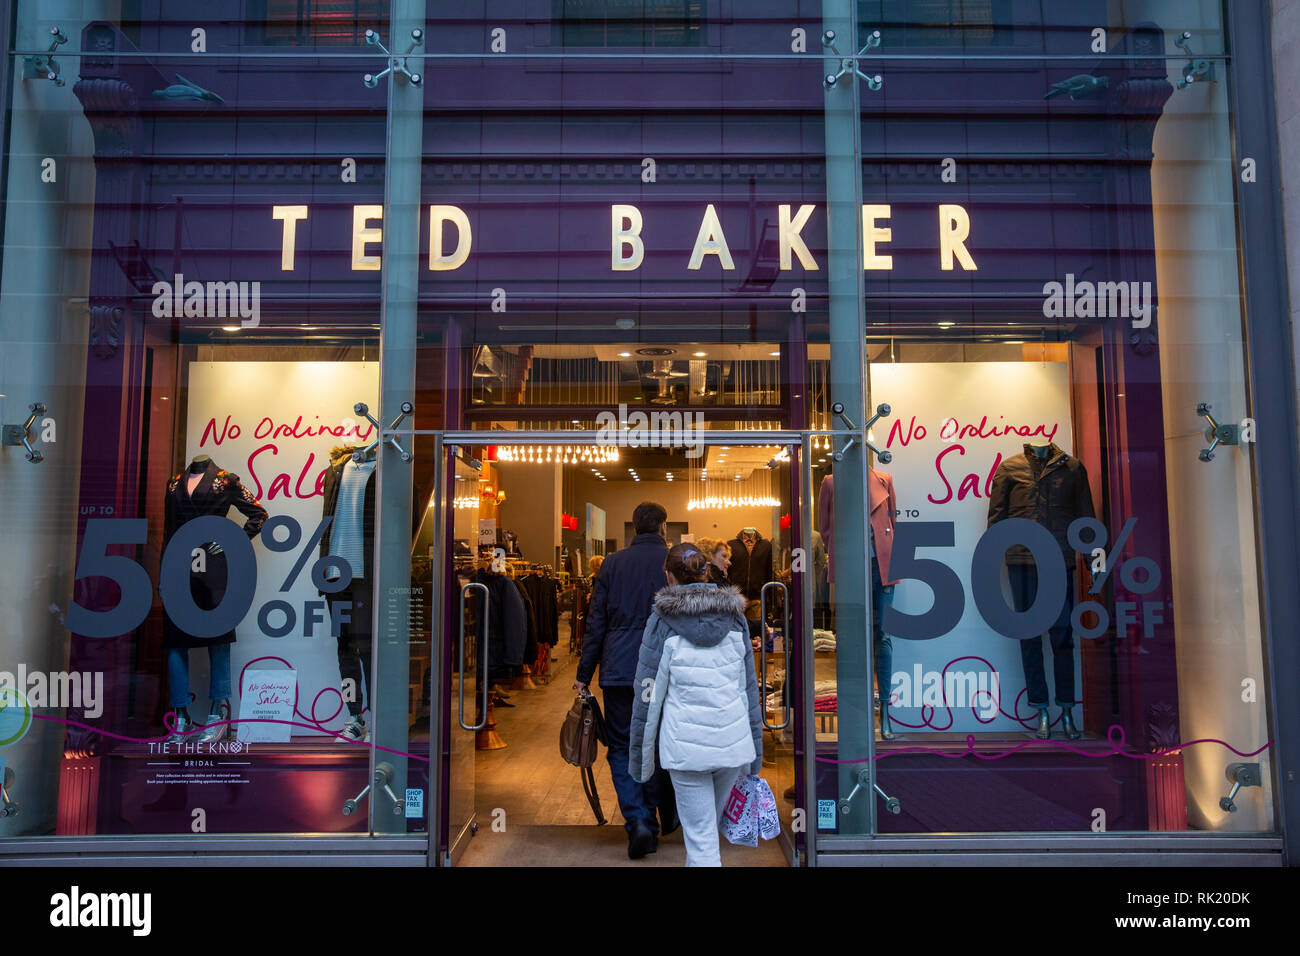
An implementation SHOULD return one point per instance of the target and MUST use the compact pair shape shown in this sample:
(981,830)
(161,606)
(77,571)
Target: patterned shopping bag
(769,820)
(750,812)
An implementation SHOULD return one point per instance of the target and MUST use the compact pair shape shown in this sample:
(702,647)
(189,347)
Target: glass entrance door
(519,522)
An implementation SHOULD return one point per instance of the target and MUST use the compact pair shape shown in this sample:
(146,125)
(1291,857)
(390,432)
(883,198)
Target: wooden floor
(547,820)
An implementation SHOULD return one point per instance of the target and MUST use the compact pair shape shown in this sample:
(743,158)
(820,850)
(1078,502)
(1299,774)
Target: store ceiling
(655,464)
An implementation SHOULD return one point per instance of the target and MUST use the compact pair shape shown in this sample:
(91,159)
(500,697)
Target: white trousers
(701,797)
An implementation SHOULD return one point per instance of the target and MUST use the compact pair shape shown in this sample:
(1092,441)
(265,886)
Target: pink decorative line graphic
(928,711)
(169,722)
(1114,736)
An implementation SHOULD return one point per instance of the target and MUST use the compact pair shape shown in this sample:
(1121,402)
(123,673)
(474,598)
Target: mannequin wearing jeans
(882,646)
(880,529)
(201,490)
(1024,588)
(1050,488)
(178,676)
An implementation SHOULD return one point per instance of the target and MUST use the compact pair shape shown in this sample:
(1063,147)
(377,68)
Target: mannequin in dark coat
(203,490)
(750,570)
(215,494)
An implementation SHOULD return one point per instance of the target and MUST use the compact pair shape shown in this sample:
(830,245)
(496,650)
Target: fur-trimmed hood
(702,613)
(705,711)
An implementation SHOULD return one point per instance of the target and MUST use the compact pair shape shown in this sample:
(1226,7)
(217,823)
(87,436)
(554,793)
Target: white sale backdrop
(951,425)
(273,424)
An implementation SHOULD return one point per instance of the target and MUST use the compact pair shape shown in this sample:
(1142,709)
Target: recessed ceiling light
(230,328)
(946,325)
(625,354)
(700,354)
(576,422)
(774,353)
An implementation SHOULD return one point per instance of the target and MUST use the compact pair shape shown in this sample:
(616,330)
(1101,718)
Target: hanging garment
(541,591)
(215,494)
(507,625)
(530,614)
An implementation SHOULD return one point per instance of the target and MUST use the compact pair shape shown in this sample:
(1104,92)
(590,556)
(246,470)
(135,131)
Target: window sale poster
(950,426)
(273,424)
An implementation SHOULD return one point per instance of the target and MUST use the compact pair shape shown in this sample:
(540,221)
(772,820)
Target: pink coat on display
(884,507)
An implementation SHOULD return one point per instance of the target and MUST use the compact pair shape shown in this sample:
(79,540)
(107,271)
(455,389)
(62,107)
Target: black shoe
(1067,724)
(1044,725)
(886,728)
(640,841)
(669,823)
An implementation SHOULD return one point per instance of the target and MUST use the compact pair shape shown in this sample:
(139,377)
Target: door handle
(762,650)
(482,653)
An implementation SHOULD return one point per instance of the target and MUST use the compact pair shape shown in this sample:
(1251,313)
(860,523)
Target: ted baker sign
(451,239)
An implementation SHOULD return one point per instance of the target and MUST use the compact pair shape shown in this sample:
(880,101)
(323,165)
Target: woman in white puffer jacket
(697,698)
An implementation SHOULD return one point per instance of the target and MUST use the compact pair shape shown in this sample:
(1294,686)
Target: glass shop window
(315,22)
(630,23)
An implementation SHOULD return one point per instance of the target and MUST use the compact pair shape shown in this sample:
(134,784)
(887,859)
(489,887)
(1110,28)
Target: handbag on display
(750,812)
(581,735)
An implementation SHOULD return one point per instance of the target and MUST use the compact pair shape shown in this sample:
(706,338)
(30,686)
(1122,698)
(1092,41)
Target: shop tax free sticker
(15,716)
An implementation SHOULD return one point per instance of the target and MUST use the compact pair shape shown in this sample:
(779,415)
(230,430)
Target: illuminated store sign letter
(625,221)
(710,241)
(438,262)
(871,235)
(788,233)
(291,216)
(362,235)
(954,227)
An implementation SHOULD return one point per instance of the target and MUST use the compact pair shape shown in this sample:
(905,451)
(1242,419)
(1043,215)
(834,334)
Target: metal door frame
(439,711)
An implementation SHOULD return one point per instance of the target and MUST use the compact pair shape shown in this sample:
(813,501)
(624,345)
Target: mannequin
(349,499)
(1047,486)
(880,529)
(204,489)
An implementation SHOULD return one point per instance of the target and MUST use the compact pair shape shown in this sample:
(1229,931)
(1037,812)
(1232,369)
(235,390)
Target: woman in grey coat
(697,698)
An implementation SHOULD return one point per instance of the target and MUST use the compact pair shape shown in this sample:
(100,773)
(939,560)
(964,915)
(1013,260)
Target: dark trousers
(638,801)
(880,642)
(1024,587)
(354,642)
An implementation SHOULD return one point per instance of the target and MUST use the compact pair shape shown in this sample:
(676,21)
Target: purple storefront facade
(974,240)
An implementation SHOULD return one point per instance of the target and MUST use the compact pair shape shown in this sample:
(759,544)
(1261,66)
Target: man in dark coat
(620,606)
